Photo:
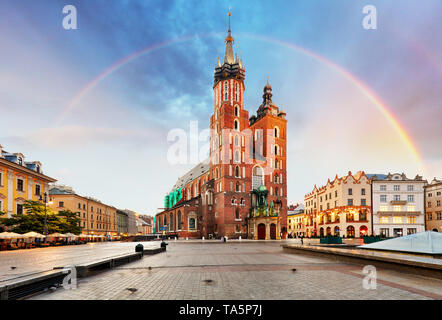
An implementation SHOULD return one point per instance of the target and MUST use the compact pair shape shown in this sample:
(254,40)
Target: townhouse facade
(398,205)
(342,207)
(96,218)
(20,181)
(433,205)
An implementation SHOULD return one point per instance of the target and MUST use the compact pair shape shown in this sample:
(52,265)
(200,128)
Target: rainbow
(381,106)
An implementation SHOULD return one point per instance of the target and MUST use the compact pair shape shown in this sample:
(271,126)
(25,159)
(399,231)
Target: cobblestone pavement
(28,261)
(238,271)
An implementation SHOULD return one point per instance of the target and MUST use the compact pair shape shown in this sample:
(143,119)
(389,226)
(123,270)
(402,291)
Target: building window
(236,124)
(439,215)
(61,204)
(350,191)
(384,220)
(411,208)
(236,111)
(237,157)
(383,187)
(350,202)
(396,208)
(411,230)
(410,198)
(20,185)
(226,91)
(396,187)
(438,203)
(397,197)
(385,232)
(236,92)
(236,140)
(37,190)
(276,132)
(397,219)
(363,192)
(192,224)
(20,161)
(19,209)
(411,219)
(237,214)
(410,188)
(383,198)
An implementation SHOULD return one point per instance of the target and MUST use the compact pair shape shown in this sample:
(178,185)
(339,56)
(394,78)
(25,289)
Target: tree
(70,222)
(62,222)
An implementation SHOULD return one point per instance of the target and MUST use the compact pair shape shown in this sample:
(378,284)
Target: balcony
(398,203)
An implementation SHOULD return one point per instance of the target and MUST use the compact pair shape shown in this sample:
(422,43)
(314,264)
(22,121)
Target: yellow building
(342,207)
(20,181)
(433,205)
(296,220)
(96,217)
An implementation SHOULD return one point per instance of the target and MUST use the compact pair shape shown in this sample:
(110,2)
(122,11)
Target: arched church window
(237,214)
(236,140)
(237,172)
(179,220)
(192,224)
(236,124)
(276,132)
(237,157)
(226,91)
(236,92)
(236,111)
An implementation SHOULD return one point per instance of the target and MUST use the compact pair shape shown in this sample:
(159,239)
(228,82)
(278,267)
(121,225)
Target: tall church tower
(227,152)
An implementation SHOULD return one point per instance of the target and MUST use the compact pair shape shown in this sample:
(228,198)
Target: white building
(398,205)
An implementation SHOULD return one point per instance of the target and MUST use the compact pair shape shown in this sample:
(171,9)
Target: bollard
(175,238)
(187,238)
(240,238)
(163,245)
(139,248)
(203,238)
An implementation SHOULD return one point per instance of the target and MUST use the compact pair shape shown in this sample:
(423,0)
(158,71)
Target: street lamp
(45,228)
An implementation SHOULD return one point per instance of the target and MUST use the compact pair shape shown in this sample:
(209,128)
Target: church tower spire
(229,58)
(232,67)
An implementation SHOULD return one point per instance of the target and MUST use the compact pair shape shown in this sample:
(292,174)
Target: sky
(95,105)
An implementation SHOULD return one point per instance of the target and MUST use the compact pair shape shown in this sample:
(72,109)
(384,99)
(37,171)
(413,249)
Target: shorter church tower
(268,217)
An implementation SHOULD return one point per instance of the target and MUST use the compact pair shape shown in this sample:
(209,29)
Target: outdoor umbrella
(57,235)
(10,235)
(71,236)
(33,234)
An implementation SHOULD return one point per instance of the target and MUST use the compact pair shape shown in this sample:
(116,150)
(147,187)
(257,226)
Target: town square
(220,151)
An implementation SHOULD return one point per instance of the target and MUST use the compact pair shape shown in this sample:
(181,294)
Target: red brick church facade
(242,190)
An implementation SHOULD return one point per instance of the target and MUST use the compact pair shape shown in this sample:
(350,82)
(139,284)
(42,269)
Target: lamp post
(45,228)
